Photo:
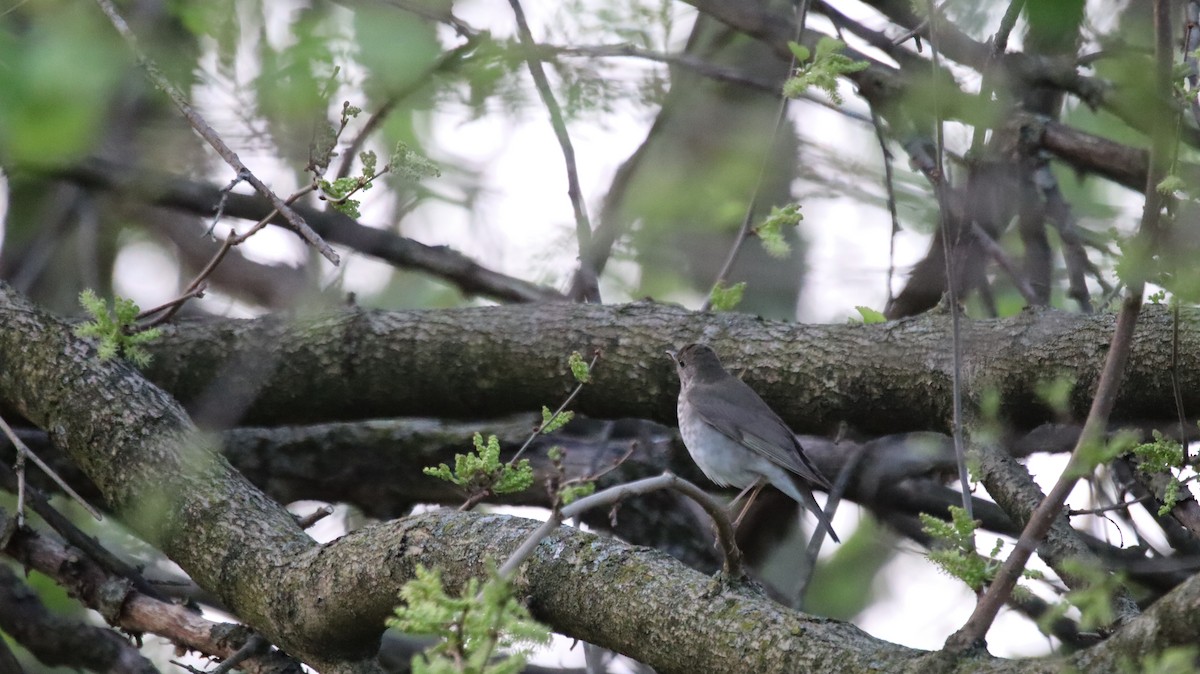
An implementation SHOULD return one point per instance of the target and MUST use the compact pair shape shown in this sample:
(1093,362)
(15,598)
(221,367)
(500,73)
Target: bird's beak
(673,354)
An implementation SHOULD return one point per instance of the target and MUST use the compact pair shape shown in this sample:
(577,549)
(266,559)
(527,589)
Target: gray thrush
(735,437)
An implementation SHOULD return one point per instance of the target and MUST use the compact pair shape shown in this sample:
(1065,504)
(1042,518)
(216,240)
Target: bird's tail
(820,514)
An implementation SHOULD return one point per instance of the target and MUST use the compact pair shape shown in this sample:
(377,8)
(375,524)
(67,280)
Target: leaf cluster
(482,472)
(1163,455)
(955,551)
(823,70)
(471,628)
(770,232)
(404,161)
(116,330)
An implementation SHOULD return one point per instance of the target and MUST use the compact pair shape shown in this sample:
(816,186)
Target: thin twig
(993,249)
(1191,42)
(971,634)
(583,228)
(442,62)
(725,533)
(818,536)
(209,134)
(199,284)
(744,230)
(307,521)
(889,184)
(1179,410)
(999,46)
(941,188)
(24,451)
(537,431)
(255,645)
(1123,505)
(687,61)
(193,293)
(76,537)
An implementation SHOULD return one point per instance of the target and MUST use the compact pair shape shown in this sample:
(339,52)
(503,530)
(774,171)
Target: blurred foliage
(54,108)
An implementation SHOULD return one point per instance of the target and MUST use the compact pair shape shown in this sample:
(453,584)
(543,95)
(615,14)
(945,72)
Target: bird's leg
(754,489)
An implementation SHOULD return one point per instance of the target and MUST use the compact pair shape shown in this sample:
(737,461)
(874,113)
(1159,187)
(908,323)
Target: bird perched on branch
(735,437)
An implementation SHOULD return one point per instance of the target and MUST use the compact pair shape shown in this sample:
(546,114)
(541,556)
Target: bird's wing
(764,432)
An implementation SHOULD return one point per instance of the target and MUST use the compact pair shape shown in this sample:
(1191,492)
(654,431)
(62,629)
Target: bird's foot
(722,582)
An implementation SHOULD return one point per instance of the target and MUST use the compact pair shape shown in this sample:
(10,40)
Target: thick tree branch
(884,378)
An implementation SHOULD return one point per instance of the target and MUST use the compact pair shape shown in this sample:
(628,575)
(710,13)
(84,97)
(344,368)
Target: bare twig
(138,613)
(940,188)
(1123,505)
(889,184)
(75,536)
(442,262)
(172,306)
(1175,380)
(683,60)
(199,284)
(55,639)
(1191,42)
(999,46)
(989,244)
(315,516)
(206,132)
(583,228)
(818,535)
(443,62)
(972,632)
(725,533)
(24,451)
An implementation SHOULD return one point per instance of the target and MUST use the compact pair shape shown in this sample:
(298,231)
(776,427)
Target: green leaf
(1055,392)
(870,316)
(823,71)
(579,368)
(409,163)
(725,298)
(1171,184)
(481,471)
(577,491)
(799,51)
(1162,455)
(770,232)
(552,422)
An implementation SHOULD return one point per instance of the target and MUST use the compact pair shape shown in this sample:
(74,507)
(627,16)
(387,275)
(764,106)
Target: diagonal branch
(588,290)
(294,221)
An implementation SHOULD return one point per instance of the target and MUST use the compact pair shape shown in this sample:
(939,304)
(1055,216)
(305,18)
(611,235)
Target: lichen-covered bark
(488,361)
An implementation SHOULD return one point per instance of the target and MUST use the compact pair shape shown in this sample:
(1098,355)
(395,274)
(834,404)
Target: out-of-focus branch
(130,610)
(586,288)
(195,197)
